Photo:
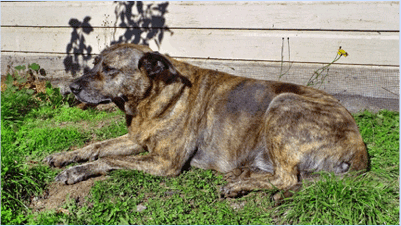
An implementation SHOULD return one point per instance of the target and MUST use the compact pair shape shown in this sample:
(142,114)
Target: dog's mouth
(105,101)
(91,100)
(88,96)
(91,97)
(120,102)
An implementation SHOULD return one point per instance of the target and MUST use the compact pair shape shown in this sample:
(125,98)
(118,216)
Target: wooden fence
(253,39)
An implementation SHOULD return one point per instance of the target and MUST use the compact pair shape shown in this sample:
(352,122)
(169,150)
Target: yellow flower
(342,52)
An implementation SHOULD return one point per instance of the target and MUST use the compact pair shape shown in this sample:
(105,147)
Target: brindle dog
(261,134)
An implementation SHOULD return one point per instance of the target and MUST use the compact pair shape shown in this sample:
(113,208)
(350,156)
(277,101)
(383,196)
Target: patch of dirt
(237,205)
(110,107)
(57,193)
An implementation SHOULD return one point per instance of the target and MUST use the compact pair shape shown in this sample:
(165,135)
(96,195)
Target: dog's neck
(163,99)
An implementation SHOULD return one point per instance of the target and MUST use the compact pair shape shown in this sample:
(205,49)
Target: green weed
(380,132)
(351,200)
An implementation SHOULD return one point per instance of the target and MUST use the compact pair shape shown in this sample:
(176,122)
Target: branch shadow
(77,46)
(143,23)
(146,24)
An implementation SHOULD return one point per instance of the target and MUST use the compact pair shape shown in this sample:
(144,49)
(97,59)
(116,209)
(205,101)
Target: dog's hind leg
(120,146)
(303,135)
(282,179)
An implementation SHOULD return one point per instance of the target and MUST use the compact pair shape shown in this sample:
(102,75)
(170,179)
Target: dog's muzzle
(88,96)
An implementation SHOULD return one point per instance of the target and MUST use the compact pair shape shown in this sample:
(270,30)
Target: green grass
(33,128)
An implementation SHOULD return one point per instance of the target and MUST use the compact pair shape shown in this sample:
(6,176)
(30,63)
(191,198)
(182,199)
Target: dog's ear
(158,67)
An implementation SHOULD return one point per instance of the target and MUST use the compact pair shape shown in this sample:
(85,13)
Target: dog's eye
(108,69)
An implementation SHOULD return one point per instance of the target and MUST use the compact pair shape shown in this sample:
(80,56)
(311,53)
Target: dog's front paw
(58,160)
(73,175)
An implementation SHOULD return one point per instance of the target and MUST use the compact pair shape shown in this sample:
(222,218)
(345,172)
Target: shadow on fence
(143,22)
(77,46)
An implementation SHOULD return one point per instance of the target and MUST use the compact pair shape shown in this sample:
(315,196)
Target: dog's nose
(75,88)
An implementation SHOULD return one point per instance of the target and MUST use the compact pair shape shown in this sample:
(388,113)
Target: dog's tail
(360,158)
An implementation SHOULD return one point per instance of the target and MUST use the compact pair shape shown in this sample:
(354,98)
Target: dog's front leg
(112,147)
(153,164)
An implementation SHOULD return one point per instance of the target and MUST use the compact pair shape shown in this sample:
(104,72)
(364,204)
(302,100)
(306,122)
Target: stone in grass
(140,208)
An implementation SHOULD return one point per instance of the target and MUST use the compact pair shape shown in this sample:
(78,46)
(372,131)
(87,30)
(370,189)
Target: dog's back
(261,124)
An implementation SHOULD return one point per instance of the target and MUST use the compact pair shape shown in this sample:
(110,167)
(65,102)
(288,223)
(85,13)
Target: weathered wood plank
(368,81)
(335,15)
(371,81)
(370,48)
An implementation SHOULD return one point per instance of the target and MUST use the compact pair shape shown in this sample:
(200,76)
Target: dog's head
(122,72)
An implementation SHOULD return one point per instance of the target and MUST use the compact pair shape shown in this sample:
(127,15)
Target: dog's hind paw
(230,191)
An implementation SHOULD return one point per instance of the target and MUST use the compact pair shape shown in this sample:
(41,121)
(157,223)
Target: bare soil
(57,194)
